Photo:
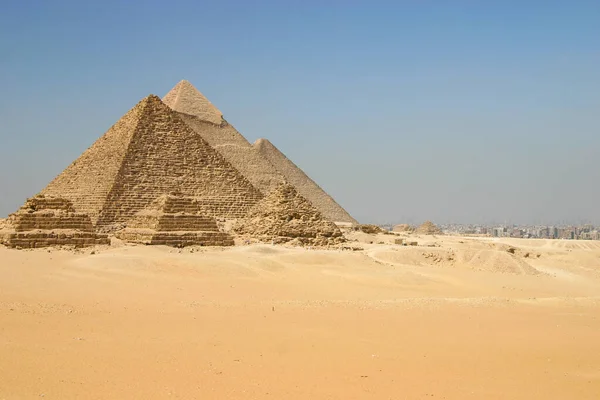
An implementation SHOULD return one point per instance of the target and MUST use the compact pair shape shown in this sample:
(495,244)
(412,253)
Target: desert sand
(451,318)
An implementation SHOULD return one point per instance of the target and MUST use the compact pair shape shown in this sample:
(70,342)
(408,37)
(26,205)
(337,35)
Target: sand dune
(453,318)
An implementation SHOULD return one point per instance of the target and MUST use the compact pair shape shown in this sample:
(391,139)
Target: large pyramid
(284,215)
(150,152)
(262,164)
(206,120)
(305,186)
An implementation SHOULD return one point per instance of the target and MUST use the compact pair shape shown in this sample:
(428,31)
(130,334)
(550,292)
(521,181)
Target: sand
(266,322)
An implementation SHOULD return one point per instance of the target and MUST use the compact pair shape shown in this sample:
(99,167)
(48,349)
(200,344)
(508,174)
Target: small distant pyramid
(49,221)
(284,215)
(174,220)
(305,186)
(207,121)
(428,228)
(150,152)
(185,98)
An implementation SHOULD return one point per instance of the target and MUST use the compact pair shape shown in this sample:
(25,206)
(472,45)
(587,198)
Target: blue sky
(462,111)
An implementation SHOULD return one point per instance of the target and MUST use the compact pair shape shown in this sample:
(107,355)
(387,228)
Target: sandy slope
(471,321)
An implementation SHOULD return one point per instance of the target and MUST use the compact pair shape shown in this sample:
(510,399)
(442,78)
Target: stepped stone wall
(176,221)
(49,221)
(285,216)
(148,153)
(305,186)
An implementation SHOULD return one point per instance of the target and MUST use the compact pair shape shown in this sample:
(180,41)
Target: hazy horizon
(402,112)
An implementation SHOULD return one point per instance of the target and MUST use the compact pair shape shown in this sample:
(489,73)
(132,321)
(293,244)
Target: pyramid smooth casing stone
(185,98)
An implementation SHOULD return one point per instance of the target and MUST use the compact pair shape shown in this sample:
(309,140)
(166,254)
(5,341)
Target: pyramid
(186,99)
(284,215)
(305,186)
(428,228)
(206,120)
(150,152)
(49,221)
(174,220)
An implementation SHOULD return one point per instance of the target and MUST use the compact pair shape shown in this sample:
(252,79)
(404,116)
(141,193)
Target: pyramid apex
(262,142)
(151,98)
(185,98)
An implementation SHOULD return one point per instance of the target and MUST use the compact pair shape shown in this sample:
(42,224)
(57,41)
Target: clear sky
(462,111)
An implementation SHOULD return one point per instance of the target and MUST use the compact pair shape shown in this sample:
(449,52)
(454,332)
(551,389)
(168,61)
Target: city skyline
(569,232)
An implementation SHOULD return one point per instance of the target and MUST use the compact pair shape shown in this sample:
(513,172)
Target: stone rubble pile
(284,216)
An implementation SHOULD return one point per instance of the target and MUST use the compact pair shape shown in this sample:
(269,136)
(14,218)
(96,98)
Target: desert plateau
(449,318)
